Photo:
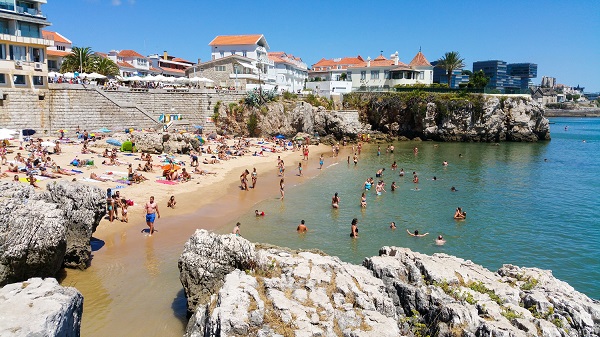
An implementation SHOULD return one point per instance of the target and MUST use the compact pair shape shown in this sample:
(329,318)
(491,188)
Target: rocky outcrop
(84,206)
(160,142)
(513,119)
(39,307)
(298,293)
(32,239)
(40,233)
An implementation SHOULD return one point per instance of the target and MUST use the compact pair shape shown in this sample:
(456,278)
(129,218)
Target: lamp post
(235,70)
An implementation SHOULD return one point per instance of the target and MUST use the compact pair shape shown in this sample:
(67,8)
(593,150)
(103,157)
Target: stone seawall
(67,107)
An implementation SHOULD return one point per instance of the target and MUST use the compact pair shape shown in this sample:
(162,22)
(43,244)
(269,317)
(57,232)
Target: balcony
(265,60)
(26,40)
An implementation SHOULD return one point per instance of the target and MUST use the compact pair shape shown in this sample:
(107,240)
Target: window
(38,80)
(3,24)
(18,53)
(19,79)
(233,52)
(349,76)
(244,53)
(386,74)
(36,54)
(52,65)
(61,48)
(2,52)
(363,75)
(2,79)
(219,68)
(421,75)
(29,30)
(7,4)
(374,74)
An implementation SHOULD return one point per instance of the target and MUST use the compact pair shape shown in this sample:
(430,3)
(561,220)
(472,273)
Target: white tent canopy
(54,74)
(95,76)
(196,79)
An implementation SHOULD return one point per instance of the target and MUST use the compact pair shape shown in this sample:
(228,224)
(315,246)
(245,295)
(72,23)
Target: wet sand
(132,287)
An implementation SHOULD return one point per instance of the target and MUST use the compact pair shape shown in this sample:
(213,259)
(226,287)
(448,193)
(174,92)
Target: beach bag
(129,202)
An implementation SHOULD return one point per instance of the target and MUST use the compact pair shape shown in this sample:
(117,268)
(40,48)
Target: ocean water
(528,204)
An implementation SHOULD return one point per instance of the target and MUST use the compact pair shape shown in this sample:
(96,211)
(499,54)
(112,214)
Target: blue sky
(562,37)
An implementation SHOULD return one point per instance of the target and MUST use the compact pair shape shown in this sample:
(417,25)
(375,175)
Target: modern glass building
(505,77)
(440,76)
(23,62)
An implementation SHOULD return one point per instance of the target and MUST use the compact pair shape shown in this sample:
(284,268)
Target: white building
(169,65)
(289,71)
(383,74)
(130,63)
(329,77)
(253,47)
(57,52)
(22,46)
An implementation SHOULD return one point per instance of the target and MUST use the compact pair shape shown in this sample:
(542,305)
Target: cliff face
(276,291)
(446,117)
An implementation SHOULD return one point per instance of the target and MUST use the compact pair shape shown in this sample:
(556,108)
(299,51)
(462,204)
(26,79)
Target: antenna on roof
(419,49)
(381,52)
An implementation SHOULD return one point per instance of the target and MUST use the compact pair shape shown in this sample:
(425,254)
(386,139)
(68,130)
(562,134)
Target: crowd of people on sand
(370,183)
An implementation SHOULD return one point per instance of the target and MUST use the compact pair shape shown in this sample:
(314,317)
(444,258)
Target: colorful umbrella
(171,167)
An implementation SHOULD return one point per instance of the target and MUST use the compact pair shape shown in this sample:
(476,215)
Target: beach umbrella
(160,77)
(113,142)
(182,80)
(69,75)
(28,132)
(48,144)
(169,79)
(54,74)
(7,133)
(84,75)
(169,167)
(96,76)
(280,137)
(103,130)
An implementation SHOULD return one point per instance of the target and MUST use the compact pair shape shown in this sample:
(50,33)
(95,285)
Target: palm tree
(80,59)
(450,62)
(105,66)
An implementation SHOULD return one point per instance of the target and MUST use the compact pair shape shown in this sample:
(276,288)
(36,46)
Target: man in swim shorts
(152,211)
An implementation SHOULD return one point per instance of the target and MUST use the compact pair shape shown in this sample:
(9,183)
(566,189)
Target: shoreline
(109,284)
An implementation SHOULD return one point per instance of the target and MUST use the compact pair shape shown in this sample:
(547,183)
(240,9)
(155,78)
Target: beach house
(169,65)
(330,76)
(383,74)
(130,62)
(290,72)
(60,48)
(23,62)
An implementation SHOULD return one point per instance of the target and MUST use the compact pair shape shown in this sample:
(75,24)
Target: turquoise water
(528,204)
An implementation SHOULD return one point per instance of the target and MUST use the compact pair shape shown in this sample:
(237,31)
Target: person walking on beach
(335,201)
(321,162)
(302,227)
(236,229)
(281,188)
(254,177)
(354,228)
(152,211)
(300,169)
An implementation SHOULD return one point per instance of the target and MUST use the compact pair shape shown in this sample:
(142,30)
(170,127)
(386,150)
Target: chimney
(199,61)
(395,58)
(165,55)
(368,61)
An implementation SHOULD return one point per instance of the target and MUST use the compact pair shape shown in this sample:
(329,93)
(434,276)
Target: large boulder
(39,307)
(32,239)
(278,291)
(84,206)
(205,261)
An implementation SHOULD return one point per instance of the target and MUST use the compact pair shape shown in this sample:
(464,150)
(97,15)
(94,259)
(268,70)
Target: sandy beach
(129,267)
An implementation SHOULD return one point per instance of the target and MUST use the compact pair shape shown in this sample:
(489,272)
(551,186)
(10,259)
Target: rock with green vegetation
(283,292)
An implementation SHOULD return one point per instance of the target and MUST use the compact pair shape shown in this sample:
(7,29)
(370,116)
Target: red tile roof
(58,53)
(129,53)
(178,59)
(380,58)
(54,36)
(381,61)
(419,60)
(125,65)
(235,40)
(103,55)
(344,62)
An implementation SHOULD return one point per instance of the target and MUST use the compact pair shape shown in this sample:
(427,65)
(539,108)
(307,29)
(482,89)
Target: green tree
(343,76)
(467,72)
(105,66)
(80,59)
(478,80)
(450,62)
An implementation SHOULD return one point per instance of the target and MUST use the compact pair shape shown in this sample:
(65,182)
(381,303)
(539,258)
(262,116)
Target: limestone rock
(32,239)
(206,259)
(282,292)
(84,206)
(39,307)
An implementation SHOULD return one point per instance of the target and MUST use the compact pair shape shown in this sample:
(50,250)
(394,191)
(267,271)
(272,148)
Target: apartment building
(60,48)
(290,71)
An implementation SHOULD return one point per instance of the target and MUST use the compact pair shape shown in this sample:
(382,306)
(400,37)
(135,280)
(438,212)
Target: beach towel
(119,187)
(119,173)
(123,181)
(76,171)
(167,182)
(129,154)
(90,180)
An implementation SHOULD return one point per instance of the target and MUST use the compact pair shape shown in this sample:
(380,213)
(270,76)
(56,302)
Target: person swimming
(257,213)
(416,233)
(460,214)
(440,240)
(392,225)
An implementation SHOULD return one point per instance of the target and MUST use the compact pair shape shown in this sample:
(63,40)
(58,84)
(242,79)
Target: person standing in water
(281,188)
(354,228)
(302,227)
(236,229)
(440,240)
(335,201)
(363,200)
(254,177)
(152,211)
